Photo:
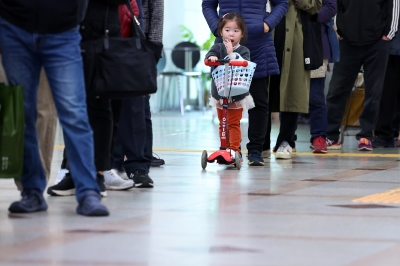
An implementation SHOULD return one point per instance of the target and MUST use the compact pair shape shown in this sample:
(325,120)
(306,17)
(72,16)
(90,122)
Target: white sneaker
(113,181)
(284,151)
(60,175)
(122,174)
(266,154)
(231,152)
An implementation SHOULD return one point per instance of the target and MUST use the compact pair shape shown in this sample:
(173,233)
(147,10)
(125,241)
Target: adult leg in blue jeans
(24,54)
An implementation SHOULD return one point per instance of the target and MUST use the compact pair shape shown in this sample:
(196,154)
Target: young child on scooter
(232,29)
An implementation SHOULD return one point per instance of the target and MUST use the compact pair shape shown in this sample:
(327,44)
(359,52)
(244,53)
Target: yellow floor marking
(329,154)
(390,196)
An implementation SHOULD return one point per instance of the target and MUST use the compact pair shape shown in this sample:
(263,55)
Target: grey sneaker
(113,181)
(122,174)
(266,154)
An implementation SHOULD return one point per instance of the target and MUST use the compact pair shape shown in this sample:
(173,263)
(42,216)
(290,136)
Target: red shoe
(319,144)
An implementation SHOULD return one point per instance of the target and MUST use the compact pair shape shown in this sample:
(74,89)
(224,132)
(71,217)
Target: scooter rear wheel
(237,160)
(204,157)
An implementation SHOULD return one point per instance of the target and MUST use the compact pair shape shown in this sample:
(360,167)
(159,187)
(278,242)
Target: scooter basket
(239,76)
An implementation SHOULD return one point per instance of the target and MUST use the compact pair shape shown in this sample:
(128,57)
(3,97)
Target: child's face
(232,32)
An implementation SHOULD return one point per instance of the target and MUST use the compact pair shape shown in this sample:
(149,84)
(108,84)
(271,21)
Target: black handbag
(117,67)
(312,41)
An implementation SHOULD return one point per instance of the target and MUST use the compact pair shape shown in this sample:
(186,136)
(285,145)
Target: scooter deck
(222,157)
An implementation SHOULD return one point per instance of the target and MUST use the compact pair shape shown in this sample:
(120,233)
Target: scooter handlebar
(242,63)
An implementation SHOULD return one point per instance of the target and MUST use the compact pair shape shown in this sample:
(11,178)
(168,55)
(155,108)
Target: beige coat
(295,80)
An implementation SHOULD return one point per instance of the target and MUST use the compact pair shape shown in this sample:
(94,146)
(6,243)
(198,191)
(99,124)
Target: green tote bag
(12,121)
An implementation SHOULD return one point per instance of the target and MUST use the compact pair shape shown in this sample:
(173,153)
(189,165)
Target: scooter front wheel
(237,160)
(204,157)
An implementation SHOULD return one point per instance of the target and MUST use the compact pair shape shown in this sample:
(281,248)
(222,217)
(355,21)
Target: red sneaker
(319,144)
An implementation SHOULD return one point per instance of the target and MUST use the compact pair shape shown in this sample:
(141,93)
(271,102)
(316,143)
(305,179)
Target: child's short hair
(239,20)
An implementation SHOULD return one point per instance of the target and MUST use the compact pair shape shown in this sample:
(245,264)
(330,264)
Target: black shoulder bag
(117,67)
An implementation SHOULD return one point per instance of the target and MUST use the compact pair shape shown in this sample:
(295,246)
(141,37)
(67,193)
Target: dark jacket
(325,14)
(92,27)
(43,16)
(219,51)
(260,44)
(333,41)
(395,45)
(362,22)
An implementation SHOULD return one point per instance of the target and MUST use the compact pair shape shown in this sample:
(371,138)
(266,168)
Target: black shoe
(142,179)
(382,143)
(66,187)
(102,187)
(32,201)
(156,162)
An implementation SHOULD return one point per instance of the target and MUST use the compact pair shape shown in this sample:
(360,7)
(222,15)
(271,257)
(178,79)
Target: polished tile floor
(311,210)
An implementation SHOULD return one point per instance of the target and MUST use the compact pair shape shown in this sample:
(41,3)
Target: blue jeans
(24,54)
(317,108)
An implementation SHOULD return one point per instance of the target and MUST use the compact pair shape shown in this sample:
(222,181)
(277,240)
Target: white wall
(183,12)
(188,13)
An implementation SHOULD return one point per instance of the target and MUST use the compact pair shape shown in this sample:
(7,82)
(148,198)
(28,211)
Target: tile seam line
(391,155)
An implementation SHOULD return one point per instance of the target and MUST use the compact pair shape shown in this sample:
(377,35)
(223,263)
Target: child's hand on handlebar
(213,58)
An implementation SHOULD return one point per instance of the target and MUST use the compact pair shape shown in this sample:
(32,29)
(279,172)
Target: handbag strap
(136,31)
(106,42)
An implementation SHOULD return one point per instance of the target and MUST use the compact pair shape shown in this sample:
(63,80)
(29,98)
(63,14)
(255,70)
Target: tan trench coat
(295,80)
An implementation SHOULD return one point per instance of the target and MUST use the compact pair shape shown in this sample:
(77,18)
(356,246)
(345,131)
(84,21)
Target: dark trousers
(258,116)
(104,115)
(374,59)
(267,138)
(135,136)
(317,108)
(103,118)
(390,99)
(287,129)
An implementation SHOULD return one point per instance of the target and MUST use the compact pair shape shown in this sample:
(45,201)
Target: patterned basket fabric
(239,77)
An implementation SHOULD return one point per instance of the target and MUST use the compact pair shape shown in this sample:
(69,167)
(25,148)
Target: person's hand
(266,27)
(213,58)
(228,46)
(385,38)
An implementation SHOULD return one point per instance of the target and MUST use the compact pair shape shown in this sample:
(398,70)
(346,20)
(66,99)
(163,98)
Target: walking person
(365,29)
(262,51)
(103,115)
(30,41)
